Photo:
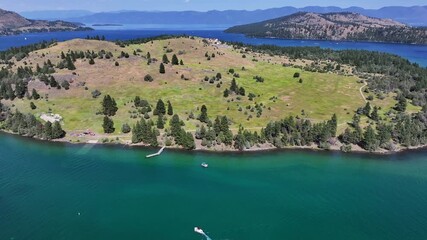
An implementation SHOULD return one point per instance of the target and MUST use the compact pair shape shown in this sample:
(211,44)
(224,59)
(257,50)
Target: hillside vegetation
(334,26)
(170,90)
(13,23)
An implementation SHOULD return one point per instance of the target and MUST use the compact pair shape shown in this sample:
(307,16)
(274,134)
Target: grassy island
(199,93)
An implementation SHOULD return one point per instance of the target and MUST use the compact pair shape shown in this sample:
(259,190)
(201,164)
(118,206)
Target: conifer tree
(170,109)
(367,109)
(47,131)
(70,64)
(35,95)
(401,104)
(165,59)
(175,60)
(217,125)
(109,106)
(242,91)
(126,128)
(234,87)
(369,139)
(160,123)
(160,107)
(32,106)
(57,131)
(162,69)
(374,114)
(204,115)
(108,125)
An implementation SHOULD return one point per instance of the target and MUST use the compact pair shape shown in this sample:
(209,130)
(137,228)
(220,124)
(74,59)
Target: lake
(61,191)
(415,53)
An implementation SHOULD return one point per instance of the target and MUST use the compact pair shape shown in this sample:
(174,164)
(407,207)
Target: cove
(62,191)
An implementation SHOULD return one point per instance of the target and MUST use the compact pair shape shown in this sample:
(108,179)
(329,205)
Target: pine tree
(10,94)
(137,101)
(175,60)
(242,91)
(32,106)
(333,125)
(160,107)
(181,62)
(70,64)
(204,115)
(401,104)
(384,133)
(162,69)
(226,93)
(57,131)
(165,59)
(160,123)
(109,106)
(370,140)
(224,124)
(234,87)
(126,128)
(35,95)
(170,109)
(53,82)
(175,125)
(148,55)
(367,109)
(217,125)
(47,131)
(356,120)
(108,125)
(374,114)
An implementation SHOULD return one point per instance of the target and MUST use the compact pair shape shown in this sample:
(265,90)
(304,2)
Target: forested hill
(13,23)
(334,26)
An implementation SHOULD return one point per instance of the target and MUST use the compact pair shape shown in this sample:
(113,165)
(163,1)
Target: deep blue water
(415,53)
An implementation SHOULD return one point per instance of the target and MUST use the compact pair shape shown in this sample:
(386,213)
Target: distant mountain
(13,23)
(55,14)
(334,26)
(416,16)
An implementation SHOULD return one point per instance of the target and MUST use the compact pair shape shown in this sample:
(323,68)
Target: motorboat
(199,230)
(204,165)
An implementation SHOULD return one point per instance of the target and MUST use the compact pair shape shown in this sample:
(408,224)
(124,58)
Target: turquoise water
(415,53)
(60,191)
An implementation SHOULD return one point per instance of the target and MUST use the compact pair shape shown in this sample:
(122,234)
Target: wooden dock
(156,154)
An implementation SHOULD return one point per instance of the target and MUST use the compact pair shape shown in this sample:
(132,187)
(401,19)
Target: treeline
(123,43)
(29,126)
(404,129)
(21,52)
(392,72)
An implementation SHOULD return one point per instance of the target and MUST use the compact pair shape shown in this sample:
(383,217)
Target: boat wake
(201,232)
(207,237)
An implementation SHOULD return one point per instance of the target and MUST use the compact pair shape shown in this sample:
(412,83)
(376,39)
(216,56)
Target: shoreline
(259,150)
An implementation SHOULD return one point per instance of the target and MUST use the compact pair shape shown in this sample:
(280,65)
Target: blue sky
(199,5)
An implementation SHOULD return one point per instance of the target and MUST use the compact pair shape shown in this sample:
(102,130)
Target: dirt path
(361,93)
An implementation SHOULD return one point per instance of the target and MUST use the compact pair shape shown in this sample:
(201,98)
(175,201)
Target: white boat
(199,230)
(205,165)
